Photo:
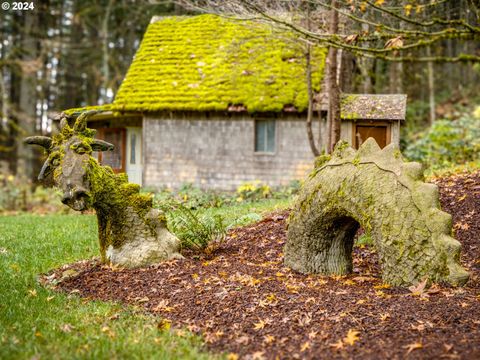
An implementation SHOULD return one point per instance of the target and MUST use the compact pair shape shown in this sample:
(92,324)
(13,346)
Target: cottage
(218,102)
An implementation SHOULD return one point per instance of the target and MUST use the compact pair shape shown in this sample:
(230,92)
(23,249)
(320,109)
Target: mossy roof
(373,107)
(207,62)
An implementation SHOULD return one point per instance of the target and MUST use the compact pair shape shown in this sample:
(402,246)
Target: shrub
(447,143)
(191,197)
(253,191)
(196,232)
(18,195)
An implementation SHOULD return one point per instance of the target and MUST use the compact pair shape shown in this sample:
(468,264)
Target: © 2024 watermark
(18,5)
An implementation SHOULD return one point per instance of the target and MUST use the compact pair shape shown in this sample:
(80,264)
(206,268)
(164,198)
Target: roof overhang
(373,106)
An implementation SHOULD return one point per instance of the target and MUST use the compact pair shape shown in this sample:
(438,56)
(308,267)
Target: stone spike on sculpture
(377,190)
(81,122)
(43,141)
(131,233)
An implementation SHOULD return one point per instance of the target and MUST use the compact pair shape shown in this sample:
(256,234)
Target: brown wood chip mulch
(245,302)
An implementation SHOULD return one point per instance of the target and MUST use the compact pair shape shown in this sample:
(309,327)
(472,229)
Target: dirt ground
(246,303)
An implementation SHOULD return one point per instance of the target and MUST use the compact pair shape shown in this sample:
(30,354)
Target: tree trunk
(105,98)
(431,87)
(366,67)
(332,87)
(28,99)
(311,139)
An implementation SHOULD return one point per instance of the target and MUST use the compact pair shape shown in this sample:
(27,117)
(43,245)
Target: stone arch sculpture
(377,190)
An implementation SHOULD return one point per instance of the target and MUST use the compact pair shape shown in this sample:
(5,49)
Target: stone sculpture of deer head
(131,232)
(69,154)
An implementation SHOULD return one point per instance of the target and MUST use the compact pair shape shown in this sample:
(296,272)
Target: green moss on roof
(209,63)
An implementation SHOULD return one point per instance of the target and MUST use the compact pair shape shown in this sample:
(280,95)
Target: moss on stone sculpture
(131,233)
(377,190)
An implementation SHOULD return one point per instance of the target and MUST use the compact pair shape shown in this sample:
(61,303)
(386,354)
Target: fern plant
(196,232)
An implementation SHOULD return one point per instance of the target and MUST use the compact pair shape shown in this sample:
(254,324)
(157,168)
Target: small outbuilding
(218,102)
(376,116)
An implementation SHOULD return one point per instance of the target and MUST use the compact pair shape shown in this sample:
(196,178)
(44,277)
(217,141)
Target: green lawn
(38,323)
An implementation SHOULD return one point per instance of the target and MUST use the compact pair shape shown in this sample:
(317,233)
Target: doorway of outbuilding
(380,131)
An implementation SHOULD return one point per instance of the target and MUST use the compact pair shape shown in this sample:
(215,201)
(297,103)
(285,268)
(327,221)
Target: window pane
(133,144)
(270,136)
(265,135)
(260,135)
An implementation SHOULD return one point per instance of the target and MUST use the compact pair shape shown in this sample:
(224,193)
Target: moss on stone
(374,189)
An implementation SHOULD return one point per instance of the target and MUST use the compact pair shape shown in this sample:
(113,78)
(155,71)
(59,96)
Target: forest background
(65,54)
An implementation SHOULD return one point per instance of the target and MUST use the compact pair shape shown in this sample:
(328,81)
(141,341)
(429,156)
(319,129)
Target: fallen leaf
(448,347)
(305,346)
(362,279)
(258,355)
(232,356)
(142,300)
(243,340)
(108,331)
(33,292)
(414,346)
(164,324)
(384,317)
(352,337)
(418,289)
(66,328)
(268,339)
(338,345)
(259,326)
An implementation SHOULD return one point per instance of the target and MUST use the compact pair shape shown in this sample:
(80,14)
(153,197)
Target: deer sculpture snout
(75,197)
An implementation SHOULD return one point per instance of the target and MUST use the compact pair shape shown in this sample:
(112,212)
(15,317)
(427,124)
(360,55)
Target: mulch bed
(245,302)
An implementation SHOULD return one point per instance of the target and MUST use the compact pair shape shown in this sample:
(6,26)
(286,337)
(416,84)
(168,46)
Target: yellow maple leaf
(232,356)
(351,337)
(384,317)
(305,346)
(268,339)
(413,346)
(379,2)
(271,298)
(259,326)
(164,324)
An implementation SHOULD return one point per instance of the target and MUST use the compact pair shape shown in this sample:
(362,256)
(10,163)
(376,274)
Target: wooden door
(116,158)
(380,132)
